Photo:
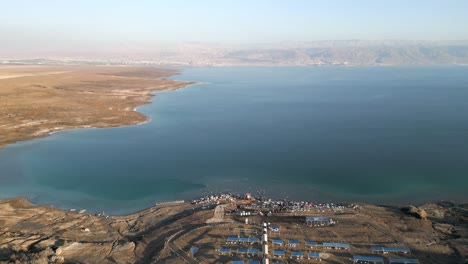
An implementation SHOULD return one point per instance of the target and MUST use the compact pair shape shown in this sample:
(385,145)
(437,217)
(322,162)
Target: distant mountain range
(327,52)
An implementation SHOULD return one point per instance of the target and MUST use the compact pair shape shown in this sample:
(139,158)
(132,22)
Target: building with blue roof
(311,243)
(224,250)
(252,251)
(293,242)
(297,254)
(314,255)
(243,239)
(232,239)
(253,262)
(237,262)
(311,219)
(278,242)
(403,260)
(335,245)
(278,252)
(242,251)
(367,259)
(379,249)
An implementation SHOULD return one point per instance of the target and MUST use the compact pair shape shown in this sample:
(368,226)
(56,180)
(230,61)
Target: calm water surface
(387,135)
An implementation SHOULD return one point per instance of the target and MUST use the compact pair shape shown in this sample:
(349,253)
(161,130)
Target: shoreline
(140,96)
(148,119)
(432,232)
(213,199)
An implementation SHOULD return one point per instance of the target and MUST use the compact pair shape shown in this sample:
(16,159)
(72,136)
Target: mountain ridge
(313,53)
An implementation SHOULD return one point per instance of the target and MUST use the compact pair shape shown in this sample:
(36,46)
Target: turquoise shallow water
(387,135)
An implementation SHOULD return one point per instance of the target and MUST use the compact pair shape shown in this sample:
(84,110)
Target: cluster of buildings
(215,199)
(261,204)
(276,249)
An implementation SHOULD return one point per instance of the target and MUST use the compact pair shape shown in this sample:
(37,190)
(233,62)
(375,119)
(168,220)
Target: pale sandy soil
(38,100)
(2,76)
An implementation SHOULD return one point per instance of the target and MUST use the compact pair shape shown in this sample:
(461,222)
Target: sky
(85,24)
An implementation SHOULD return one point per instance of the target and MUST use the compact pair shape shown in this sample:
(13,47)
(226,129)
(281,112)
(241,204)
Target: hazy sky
(26,25)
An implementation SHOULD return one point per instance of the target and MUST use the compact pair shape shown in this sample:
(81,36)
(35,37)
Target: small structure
(232,240)
(242,251)
(318,221)
(403,260)
(297,254)
(193,250)
(331,245)
(278,253)
(386,250)
(275,228)
(252,251)
(224,250)
(246,230)
(314,255)
(248,251)
(278,242)
(251,240)
(293,243)
(243,240)
(367,259)
(311,244)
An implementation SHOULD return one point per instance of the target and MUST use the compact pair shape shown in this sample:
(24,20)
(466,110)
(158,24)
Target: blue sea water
(370,134)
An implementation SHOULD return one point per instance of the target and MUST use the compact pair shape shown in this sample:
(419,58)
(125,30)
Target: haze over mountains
(327,52)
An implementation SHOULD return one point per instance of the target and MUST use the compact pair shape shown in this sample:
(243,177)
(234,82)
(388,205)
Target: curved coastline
(111,97)
(135,109)
(326,194)
(145,97)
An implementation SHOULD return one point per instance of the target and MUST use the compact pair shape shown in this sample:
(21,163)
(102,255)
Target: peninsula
(38,100)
